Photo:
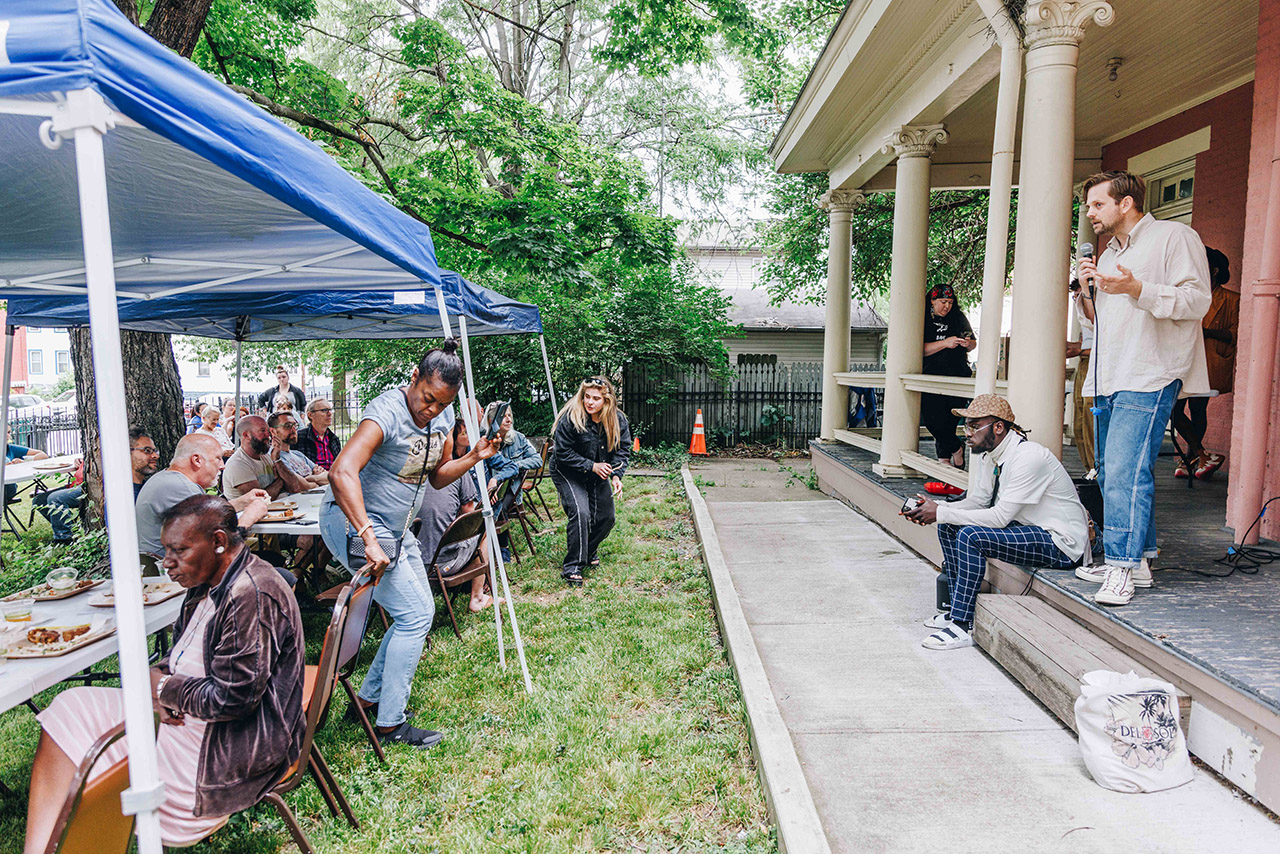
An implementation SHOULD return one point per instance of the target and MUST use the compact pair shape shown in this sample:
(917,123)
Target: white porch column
(1042,256)
(913,147)
(839,205)
(994,269)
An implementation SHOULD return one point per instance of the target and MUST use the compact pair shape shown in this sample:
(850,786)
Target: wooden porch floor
(1224,626)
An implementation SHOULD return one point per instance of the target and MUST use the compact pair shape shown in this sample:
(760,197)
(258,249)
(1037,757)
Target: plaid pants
(965,549)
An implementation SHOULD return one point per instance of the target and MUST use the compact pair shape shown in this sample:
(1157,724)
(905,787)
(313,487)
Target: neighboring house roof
(752,309)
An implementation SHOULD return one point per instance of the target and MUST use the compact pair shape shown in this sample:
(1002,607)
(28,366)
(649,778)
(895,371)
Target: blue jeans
(965,549)
(405,594)
(61,507)
(1130,431)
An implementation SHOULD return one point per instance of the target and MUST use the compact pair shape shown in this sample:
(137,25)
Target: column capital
(840,201)
(915,140)
(1062,22)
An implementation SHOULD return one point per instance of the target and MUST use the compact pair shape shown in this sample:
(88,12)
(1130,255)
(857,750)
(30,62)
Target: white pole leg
(236,410)
(468,417)
(146,791)
(493,567)
(4,396)
(551,386)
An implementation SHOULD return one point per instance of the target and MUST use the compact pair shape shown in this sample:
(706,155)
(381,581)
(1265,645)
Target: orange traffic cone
(635,446)
(698,444)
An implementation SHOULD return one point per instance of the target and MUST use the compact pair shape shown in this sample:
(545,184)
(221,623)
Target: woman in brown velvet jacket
(229,693)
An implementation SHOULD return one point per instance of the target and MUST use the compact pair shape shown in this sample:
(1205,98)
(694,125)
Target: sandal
(959,453)
(948,637)
(574,579)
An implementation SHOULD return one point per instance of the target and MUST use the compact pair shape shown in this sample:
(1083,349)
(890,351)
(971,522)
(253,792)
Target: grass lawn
(633,740)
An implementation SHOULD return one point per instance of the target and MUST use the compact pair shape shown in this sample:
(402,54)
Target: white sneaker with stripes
(1117,586)
(1097,574)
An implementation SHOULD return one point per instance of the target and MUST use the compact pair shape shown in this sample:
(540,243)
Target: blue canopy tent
(128,172)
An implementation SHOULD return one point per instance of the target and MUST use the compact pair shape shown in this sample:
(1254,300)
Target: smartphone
(910,504)
(498,416)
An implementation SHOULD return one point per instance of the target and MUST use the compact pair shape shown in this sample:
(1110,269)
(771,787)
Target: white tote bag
(1130,736)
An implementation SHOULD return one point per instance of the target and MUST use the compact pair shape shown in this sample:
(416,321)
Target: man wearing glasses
(61,506)
(1021,508)
(316,441)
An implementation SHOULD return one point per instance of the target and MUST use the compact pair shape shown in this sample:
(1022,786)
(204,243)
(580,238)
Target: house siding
(791,346)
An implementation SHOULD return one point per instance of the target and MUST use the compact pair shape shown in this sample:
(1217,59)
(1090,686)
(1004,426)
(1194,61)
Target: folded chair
(91,821)
(457,560)
(317,691)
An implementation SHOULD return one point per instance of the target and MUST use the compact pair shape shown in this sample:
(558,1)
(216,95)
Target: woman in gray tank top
(402,447)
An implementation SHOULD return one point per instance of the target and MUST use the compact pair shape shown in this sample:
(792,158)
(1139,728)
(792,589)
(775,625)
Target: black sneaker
(412,736)
(352,717)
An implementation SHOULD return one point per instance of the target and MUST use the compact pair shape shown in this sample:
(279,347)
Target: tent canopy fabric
(206,190)
(297,315)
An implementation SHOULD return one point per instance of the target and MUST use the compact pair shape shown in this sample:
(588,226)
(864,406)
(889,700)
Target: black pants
(936,416)
(1194,425)
(588,504)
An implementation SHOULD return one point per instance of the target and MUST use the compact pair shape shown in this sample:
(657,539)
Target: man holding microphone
(1152,289)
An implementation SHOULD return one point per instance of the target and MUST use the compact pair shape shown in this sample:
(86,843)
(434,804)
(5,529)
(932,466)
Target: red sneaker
(1210,464)
(937,487)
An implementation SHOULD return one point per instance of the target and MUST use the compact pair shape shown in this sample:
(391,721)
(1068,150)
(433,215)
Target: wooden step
(1048,652)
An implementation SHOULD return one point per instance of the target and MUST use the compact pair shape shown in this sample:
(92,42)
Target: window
(63,361)
(1171,190)
(202,369)
(35,361)
(757,359)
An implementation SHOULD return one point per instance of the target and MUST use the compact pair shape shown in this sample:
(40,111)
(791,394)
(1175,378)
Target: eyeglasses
(970,430)
(150,452)
(320,409)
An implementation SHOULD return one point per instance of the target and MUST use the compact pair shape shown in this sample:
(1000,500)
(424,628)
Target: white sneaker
(940,620)
(1096,574)
(1117,586)
(949,636)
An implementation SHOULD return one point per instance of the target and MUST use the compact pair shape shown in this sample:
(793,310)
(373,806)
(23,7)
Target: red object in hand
(937,487)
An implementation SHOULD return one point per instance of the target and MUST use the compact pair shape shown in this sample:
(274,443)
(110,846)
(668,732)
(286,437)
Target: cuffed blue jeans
(405,594)
(1130,431)
(61,507)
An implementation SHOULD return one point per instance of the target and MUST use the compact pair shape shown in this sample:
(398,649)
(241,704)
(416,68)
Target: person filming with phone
(592,443)
(403,445)
(1022,508)
(948,338)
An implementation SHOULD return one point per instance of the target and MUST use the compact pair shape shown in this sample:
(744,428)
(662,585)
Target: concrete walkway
(909,750)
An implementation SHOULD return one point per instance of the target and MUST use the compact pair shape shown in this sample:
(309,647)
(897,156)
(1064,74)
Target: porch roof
(900,62)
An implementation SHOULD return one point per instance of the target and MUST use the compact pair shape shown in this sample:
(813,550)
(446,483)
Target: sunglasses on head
(594,382)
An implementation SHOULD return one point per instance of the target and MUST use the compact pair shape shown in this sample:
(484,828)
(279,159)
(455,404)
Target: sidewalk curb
(786,791)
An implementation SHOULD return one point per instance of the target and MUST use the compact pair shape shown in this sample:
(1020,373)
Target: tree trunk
(153,397)
(129,8)
(177,24)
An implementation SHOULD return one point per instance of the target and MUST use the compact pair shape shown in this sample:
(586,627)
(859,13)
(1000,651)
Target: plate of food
(153,593)
(52,641)
(50,465)
(281,505)
(46,593)
(288,514)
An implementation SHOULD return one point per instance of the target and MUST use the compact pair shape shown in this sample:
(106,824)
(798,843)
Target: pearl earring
(220,550)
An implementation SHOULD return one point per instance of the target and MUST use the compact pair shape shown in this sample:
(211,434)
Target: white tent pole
(551,387)
(473,430)
(493,567)
(235,412)
(88,117)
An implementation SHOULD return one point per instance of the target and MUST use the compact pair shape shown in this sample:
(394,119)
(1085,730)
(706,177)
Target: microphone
(1086,251)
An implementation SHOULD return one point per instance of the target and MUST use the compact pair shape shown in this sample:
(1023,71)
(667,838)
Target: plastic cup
(62,578)
(18,610)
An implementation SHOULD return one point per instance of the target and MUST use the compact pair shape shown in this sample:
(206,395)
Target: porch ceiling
(1176,53)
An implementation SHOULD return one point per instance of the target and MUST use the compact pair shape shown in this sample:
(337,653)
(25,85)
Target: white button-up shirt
(1034,490)
(1145,343)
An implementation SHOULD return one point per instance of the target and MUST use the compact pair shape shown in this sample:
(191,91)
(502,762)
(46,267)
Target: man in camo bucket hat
(1021,508)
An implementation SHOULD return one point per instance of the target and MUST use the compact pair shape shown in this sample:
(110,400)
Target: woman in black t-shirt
(948,338)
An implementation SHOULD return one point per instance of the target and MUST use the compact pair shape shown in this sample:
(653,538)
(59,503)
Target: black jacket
(575,451)
(265,400)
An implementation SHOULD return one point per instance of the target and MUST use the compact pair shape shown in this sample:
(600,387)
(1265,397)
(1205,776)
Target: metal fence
(54,433)
(765,404)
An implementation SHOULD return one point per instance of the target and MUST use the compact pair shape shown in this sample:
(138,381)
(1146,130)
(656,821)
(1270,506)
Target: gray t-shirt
(297,462)
(440,508)
(161,491)
(240,468)
(408,453)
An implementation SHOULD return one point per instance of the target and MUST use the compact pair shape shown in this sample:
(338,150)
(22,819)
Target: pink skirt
(79,716)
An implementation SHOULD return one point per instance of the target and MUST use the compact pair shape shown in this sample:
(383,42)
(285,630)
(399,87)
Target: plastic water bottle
(943,592)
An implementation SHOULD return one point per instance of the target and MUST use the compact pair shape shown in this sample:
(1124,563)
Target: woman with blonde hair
(591,445)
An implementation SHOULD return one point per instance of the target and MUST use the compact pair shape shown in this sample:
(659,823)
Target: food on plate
(45,635)
(279,506)
(70,634)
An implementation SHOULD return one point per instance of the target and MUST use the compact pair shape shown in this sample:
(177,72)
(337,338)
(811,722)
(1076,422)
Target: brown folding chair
(317,691)
(452,566)
(517,511)
(533,482)
(358,607)
(91,821)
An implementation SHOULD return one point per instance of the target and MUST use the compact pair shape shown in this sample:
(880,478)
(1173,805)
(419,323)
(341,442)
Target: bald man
(257,464)
(197,460)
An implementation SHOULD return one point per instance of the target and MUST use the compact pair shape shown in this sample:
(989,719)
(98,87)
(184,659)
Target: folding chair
(316,693)
(359,605)
(533,482)
(456,561)
(90,821)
